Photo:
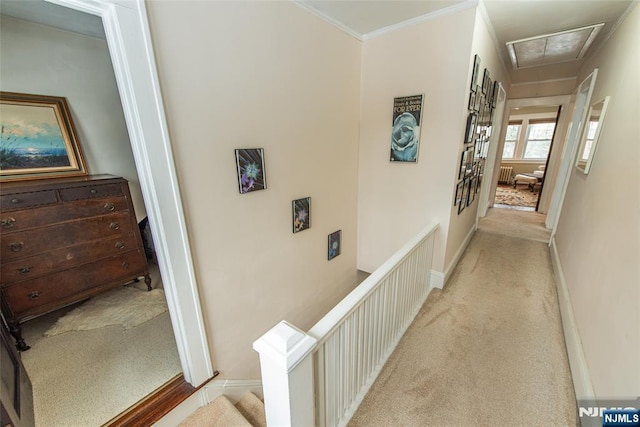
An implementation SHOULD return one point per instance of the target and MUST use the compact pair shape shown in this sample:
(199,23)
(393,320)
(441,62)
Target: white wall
(396,200)
(261,75)
(46,61)
(598,235)
(461,225)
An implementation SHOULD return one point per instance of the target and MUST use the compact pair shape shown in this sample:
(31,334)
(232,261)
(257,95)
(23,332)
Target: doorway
(526,147)
(127,38)
(86,349)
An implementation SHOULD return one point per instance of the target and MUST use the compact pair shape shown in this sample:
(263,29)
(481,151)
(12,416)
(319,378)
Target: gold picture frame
(38,138)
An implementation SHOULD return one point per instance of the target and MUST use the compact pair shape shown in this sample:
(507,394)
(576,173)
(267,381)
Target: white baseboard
(439,279)
(233,389)
(577,361)
(436,280)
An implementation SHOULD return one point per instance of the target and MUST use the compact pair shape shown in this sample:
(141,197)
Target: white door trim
(582,101)
(487,193)
(129,40)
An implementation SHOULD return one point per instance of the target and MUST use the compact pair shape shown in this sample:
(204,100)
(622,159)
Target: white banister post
(287,375)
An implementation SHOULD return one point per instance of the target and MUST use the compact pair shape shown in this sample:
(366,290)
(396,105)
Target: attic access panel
(552,48)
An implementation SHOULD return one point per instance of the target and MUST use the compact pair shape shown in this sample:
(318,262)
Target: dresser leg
(147,280)
(16,330)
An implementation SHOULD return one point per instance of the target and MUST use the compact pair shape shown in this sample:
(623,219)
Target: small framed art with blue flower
(301,214)
(251,173)
(335,244)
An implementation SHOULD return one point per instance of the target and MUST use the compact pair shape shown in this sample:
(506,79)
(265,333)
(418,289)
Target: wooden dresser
(62,241)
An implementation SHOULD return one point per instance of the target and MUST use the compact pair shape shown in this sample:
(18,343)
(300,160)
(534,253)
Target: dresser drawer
(91,191)
(61,259)
(38,296)
(46,215)
(27,199)
(31,242)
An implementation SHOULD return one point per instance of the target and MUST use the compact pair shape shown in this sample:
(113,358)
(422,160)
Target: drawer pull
(15,201)
(120,245)
(94,191)
(7,222)
(125,264)
(24,270)
(16,246)
(109,207)
(34,295)
(114,226)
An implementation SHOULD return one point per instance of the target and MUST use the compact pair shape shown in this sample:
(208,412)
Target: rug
(521,196)
(125,306)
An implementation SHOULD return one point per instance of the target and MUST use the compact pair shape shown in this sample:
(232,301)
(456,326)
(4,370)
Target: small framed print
(459,191)
(334,244)
(471,193)
(464,162)
(474,74)
(494,97)
(486,81)
(470,131)
(301,214)
(465,194)
(250,166)
(472,101)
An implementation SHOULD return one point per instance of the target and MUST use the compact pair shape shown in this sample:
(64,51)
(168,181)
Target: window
(538,142)
(510,141)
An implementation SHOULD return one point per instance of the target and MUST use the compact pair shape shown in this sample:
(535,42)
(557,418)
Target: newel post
(287,375)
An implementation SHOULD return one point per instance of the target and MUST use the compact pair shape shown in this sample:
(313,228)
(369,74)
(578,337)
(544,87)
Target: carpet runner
(247,412)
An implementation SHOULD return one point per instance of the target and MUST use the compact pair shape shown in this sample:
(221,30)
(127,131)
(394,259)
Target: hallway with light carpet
(488,350)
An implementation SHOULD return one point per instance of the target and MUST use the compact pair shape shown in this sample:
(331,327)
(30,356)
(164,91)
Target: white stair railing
(348,347)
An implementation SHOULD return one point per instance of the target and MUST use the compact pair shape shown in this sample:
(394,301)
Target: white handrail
(322,376)
(358,335)
(345,307)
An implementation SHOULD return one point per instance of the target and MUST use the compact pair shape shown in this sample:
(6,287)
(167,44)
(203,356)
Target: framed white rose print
(405,129)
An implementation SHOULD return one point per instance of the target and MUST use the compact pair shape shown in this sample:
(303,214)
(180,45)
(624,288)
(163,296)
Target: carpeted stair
(247,412)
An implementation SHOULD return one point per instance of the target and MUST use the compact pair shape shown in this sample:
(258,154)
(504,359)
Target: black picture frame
(474,73)
(494,96)
(465,156)
(485,81)
(472,101)
(251,169)
(479,98)
(471,192)
(459,191)
(470,129)
(301,210)
(334,244)
(463,200)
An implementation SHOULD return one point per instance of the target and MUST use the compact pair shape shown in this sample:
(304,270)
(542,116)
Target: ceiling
(511,20)
(52,15)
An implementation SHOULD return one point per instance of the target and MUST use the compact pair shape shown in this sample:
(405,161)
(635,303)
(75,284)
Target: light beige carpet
(488,350)
(85,378)
(221,412)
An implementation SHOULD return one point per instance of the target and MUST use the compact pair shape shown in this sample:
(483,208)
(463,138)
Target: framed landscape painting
(38,138)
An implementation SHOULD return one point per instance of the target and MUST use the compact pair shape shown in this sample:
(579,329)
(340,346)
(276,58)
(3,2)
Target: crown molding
(467,4)
(395,27)
(329,19)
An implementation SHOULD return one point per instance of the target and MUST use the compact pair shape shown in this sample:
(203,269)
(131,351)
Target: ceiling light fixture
(563,46)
